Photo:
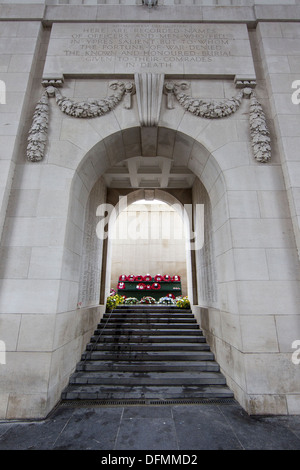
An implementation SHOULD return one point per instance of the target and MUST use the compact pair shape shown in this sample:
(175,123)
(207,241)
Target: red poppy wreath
(155,286)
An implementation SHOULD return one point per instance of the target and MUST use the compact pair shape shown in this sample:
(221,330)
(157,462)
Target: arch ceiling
(149,158)
(148,172)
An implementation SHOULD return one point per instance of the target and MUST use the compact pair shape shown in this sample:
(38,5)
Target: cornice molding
(49,14)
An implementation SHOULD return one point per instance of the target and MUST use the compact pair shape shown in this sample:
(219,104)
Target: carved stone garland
(85,109)
(37,137)
(260,136)
(92,107)
(210,109)
(215,109)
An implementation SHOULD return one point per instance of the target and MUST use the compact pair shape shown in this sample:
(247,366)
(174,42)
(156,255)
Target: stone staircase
(147,354)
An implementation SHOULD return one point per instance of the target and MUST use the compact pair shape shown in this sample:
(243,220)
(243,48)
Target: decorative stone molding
(215,109)
(129,91)
(37,137)
(56,82)
(242,81)
(149,194)
(90,108)
(149,90)
(210,109)
(150,3)
(169,91)
(260,136)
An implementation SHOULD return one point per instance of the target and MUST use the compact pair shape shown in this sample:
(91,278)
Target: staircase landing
(147,355)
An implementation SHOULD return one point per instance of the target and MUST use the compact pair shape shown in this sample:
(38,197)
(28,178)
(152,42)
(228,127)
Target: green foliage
(113,301)
(183,302)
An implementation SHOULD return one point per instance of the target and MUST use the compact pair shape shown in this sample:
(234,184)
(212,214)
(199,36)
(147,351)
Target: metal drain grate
(147,402)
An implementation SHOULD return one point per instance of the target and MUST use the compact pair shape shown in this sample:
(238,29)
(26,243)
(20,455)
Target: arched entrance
(151,236)
(188,173)
(170,180)
(186,161)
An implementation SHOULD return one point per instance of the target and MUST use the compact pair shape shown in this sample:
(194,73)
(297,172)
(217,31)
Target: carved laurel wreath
(209,109)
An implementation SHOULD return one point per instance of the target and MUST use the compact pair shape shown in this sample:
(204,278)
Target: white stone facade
(53,269)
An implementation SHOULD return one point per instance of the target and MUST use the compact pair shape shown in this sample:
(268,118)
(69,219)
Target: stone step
(147,352)
(151,326)
(150,309)
(142,331)
(148,339)
(157,366)
(147,378)
(148,315)
(148,320)
(205,354)
(145,347)
(107,392)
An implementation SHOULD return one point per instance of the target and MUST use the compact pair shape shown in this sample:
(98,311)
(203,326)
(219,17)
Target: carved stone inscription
(162,48)
(150,46)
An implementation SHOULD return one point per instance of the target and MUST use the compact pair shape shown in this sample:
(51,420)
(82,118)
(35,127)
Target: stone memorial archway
(198,113)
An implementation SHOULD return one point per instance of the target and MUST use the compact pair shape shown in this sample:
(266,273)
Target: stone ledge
(22,12)
(138,13)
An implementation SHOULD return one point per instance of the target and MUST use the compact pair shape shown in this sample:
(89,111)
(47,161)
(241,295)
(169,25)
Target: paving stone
(163,427)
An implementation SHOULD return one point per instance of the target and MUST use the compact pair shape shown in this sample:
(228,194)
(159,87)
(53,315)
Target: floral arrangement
(148,300)
(172,296)
(147,278)
(166,300)
(155,286)
(113,301)
(183,302)
(141,286)
(131,301)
